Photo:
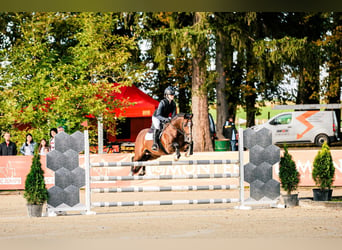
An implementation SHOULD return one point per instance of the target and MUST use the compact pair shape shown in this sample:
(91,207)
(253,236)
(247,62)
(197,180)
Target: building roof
(135,103)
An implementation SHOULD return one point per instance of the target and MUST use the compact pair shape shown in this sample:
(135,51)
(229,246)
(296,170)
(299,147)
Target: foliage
(288,173)
(323,168)
(35,190)
(56,66)
(61,68)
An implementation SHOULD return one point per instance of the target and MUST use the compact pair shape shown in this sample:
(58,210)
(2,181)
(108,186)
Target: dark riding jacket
(11,149)
(165,108)
(228,129)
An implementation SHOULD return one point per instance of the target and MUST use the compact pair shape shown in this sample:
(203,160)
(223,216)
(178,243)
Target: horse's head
(183,124)
(187,126)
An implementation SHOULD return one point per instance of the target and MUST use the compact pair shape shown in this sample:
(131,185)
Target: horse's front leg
(143,171)
(177,151)
(188,149)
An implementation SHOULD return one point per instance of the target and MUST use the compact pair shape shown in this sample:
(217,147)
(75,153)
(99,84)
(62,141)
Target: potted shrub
(35,193)
(289,178)
(323,174)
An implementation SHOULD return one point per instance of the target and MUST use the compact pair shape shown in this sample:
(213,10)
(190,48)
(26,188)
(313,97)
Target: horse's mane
(178,115)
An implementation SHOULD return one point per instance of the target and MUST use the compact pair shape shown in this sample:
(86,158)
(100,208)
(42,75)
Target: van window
(282,120)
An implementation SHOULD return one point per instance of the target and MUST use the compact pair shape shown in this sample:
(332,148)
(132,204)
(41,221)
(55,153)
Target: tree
(35,190)
(175,39)
(332,44)
(323,168)
(58,65)
(288,172)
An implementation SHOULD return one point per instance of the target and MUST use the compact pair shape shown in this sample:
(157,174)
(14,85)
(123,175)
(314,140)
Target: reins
(180,131)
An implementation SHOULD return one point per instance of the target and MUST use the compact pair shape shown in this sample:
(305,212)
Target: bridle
(187,123)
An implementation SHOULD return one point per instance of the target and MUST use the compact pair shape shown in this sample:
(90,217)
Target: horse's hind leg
(134,170)
(177,151)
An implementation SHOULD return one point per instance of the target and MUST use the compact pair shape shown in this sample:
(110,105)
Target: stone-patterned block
(56,196)
(264,137)
(78,177)
(249,138)
(257,190)
(62,142)
(77,141)
(71,196)
(55,160)
(256,155)
(263,172)
(63,178)
(249,172)
(72,161)
(272,189)
(272,154)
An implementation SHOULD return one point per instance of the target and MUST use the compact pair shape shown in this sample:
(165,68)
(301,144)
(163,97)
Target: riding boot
(155,146)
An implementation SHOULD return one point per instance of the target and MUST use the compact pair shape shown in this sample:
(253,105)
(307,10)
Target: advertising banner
(13,169)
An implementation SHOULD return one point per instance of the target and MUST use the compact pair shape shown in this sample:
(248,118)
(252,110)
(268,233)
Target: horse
(175,136)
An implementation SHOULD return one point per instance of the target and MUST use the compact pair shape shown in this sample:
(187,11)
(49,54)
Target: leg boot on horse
(155,146)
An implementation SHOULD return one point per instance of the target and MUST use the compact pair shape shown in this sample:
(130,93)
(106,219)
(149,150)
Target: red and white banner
(13,169)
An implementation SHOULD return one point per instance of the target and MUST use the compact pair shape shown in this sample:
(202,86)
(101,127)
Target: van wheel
(320,139)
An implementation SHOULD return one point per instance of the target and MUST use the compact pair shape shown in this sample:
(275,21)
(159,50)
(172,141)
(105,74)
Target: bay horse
(174,137)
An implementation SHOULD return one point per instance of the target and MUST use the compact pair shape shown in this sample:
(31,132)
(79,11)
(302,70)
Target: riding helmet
(169,91)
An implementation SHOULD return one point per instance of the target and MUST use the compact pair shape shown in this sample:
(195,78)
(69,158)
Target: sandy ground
(310,220)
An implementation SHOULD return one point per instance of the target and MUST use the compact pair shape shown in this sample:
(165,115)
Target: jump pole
(242,173)
(87,174)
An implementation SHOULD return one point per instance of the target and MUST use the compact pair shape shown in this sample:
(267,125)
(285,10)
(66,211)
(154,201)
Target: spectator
(43,147)
(28,146)
(230,132)
(53,132)
(60,129)
(8,147)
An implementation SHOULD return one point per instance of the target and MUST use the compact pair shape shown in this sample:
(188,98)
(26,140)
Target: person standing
(53,133)
(230,132)
(60,129)
(166,107)
(28,146)
(43,148)
(8,147)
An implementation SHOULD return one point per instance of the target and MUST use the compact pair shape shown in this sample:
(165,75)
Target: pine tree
(288,172)
(323,168)
(35,190)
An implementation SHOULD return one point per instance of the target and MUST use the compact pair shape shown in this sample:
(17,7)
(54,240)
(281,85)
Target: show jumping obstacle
(69,177)
(90,190)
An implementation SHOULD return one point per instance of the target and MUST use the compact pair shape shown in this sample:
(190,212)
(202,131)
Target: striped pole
(163,177)
(242,173)
(165,202)
(87,172)
(163,189)
(161,163)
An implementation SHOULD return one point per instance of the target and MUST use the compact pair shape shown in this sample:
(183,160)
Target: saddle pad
(149,136)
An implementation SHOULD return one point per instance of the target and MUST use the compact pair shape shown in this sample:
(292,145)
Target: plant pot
(322,195)
(291,200)
(34,210)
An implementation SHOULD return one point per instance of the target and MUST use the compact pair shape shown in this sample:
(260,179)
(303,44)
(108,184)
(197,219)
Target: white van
(312,126)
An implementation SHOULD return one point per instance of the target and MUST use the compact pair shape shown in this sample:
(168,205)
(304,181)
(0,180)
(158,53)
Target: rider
(162,114)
